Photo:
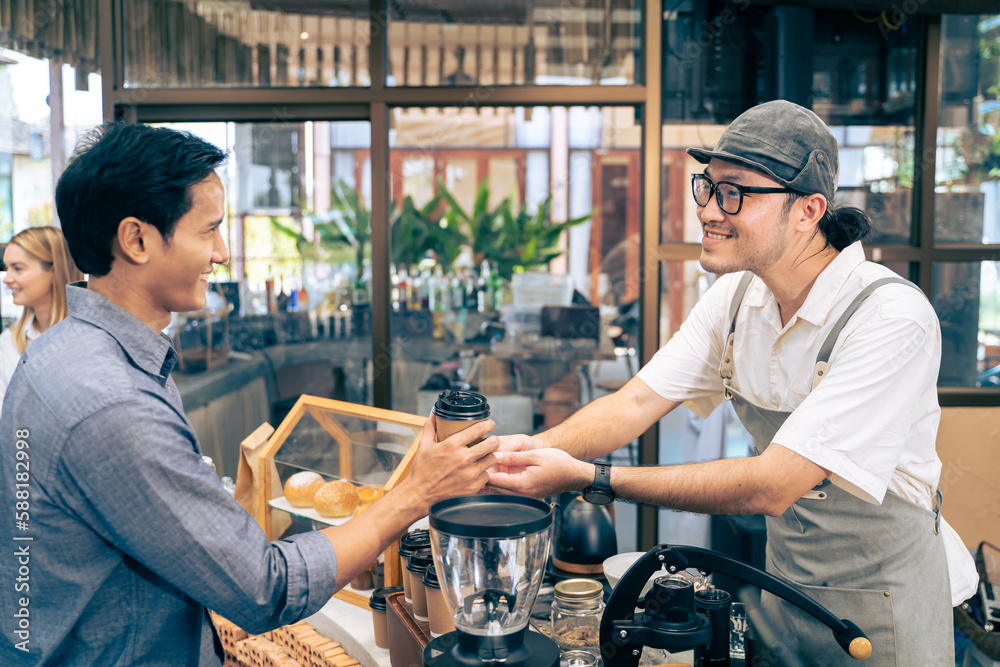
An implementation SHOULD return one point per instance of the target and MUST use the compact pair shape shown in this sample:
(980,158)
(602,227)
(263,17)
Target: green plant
(510,239)
(346,225)
(417,231)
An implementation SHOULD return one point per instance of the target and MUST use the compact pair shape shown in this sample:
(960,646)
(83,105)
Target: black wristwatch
(600,493)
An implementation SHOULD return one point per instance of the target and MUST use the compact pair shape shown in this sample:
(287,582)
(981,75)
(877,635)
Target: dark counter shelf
(200,389)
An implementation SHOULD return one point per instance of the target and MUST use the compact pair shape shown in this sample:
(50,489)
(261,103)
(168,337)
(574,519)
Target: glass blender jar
(489,554)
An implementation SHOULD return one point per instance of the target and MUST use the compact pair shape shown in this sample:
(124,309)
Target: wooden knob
(860,648)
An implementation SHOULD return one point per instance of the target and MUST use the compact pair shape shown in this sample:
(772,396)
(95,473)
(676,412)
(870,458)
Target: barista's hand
(519,442)
(451,468)
(539,472)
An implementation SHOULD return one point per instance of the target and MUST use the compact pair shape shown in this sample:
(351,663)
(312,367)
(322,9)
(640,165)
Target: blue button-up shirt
(121,536)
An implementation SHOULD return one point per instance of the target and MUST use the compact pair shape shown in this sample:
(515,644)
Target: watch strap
(601,488)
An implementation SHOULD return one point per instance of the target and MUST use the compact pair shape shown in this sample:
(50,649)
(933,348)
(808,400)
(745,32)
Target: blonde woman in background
(38,268)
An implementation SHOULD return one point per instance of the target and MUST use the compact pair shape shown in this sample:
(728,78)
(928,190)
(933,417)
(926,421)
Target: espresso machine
(683,612)
(490,555)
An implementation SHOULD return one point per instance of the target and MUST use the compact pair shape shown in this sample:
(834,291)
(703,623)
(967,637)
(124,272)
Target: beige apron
(881,566)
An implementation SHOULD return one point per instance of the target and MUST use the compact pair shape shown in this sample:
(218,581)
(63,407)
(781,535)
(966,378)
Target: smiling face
(29,279)
(755,238)
(179,268)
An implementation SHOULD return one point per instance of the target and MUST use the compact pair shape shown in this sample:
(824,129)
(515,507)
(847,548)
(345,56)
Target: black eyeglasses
(728,195)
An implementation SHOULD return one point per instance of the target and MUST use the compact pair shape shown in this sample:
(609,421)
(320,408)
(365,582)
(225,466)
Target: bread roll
(301,487)
(336,499)
(367,495)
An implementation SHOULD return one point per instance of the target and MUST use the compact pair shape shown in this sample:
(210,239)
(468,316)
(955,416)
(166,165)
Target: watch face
(597,497)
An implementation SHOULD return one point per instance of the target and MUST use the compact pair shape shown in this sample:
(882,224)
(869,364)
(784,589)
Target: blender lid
(490,516)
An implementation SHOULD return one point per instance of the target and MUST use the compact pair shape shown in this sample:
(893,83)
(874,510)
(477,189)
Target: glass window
(298,230)
(876,174)
(513,43)
(857,74)
(967,301)
(179,44)
(473,264)
(44,108)
(967,193)
(684,436)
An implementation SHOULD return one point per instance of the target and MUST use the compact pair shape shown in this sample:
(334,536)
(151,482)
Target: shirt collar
(30,331)
(829,283)
(150,351)
(825,289)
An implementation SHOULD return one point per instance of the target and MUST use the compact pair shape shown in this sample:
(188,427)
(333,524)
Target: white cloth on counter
(9,356)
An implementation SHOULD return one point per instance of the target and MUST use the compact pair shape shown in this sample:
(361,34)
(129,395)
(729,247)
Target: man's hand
(539,472)
(452,468)
(519,442)
(440,470)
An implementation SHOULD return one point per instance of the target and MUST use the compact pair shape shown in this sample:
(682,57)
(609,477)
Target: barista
(836,382)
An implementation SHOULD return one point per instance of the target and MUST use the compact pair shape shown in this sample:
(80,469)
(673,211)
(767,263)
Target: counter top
(350,626)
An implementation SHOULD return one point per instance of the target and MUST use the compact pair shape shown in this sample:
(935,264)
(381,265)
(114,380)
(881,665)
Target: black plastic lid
(431,577)
(456,405)
(415,539)
(490,516)
(377,600)
(419,560)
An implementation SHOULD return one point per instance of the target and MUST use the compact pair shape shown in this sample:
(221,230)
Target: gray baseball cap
(787,142)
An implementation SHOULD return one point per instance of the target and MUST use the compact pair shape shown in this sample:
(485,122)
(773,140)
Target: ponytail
(843,225)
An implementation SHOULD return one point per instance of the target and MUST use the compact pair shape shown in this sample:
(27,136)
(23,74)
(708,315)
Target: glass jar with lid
(576,613)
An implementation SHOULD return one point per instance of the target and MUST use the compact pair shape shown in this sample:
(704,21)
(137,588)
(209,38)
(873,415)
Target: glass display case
(371,448)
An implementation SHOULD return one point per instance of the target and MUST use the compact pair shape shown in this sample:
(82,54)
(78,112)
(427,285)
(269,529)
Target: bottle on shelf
(484,288)
(269,291)
(456,288)
(471,298)
(394,282)
(440,299)
(425,288)
(496,288)
(281,300)
(405,291)
(416,284)
(303,298)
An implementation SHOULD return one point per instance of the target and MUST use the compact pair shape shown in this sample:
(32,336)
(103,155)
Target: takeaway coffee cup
(408,544)
(457,410)
(378,606)
(441,621)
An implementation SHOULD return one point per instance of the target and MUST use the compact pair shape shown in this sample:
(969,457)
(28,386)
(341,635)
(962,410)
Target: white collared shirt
(9,355)
(872,421)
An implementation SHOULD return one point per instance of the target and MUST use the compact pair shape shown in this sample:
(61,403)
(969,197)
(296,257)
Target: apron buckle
(938,499)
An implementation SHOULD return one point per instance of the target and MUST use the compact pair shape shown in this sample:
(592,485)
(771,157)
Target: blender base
(537,651)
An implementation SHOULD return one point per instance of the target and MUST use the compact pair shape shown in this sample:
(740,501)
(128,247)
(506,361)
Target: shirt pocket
(794,396)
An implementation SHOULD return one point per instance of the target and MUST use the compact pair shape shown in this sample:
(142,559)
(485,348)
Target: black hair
(840,226)
(843,225)
(120,170)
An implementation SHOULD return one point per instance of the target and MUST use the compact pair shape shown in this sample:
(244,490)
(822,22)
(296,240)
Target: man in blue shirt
(122,536)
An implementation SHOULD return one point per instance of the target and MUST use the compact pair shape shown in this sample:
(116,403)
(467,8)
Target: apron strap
(823,358)
(726,365)
(938,499)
